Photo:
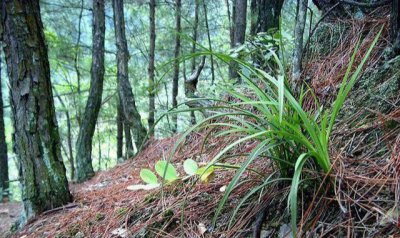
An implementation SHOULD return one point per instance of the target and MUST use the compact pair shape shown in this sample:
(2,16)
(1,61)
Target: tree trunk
(69,136)
(298,43)
(120,130)
(395,26)
(209,42)
(239,32)
(3,152)
(265,15)
(85,137)
(175,79)
(151,65)
(44,183)
(193,51)
(131,113)
(129,152)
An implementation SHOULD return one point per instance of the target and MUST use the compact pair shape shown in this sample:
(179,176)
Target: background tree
(175,79)
(239,31)
(3,149)
(131,113)
(152,108)
(265,15)
(85,137)
(395,26)
(298,44)
(44,183)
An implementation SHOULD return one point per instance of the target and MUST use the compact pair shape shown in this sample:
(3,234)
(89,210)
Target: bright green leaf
(148,177)
(164,168)
(190,167)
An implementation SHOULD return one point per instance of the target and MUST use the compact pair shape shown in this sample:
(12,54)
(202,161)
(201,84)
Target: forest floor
(9,213)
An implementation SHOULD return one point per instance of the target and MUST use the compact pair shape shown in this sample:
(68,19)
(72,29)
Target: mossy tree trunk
(42,172)
(125,92)
(3,151)
(84,168)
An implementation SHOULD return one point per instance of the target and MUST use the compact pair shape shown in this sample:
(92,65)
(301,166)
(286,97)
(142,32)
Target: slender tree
(209,42)
(175,80)
(70,153)
(84,166)
(129,152)
(395,26)
(239,31)
(42,172)
(125,92)
(3,151)
(151,65)
(120,130)
(298,44)
(192,86)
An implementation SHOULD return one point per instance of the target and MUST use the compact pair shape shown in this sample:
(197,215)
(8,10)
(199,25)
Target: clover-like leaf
(190,167)
(148,177)
(162,167)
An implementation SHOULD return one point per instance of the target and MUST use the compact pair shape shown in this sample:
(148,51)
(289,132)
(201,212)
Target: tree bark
(151,66)
(189,86)
(175,79)
(85,137)
(44,183)
(265,15)
(69,136)
(209,42)
(395,27)
(120,130)
(3,151)
(125,92)
(129,152)
(239,32)
(298,43)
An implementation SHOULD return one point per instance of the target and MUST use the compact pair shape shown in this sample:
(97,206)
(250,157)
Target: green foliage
(148,176)
(166,170)
(190,167)
(265,110)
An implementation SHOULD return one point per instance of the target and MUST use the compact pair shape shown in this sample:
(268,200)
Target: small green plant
(168,173)
(265,110)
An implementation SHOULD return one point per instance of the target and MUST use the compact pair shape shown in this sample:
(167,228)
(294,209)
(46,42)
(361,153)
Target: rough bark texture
(298,44)
(131,113)
(42,172)
(239,32)
(129,152)
(120,130)
(84,167)
(69,137)
(395,26)
(3,151)
(152,107)
(265,15)
(175,79)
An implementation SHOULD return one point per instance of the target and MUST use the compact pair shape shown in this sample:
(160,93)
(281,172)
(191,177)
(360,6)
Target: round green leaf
(148,177)
(190,166)
(170,174)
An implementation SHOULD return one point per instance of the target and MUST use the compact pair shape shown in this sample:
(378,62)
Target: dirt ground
(9,213)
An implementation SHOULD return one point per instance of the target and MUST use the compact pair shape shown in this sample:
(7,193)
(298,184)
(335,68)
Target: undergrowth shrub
(264,109)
